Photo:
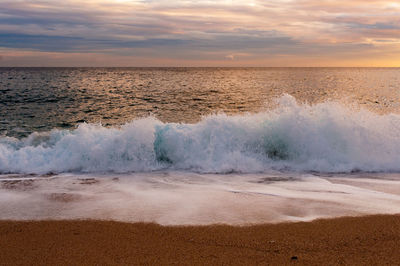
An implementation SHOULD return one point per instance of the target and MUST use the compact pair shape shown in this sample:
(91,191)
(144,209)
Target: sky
(200,33)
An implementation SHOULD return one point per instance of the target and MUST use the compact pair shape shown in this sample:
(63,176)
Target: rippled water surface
(40,99)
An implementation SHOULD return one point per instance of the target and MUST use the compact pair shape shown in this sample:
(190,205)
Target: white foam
(174,198)
(326,137)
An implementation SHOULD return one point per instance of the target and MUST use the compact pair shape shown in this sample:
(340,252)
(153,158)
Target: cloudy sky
(199,33)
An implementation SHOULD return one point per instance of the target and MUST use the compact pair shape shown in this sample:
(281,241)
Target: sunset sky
(199,33)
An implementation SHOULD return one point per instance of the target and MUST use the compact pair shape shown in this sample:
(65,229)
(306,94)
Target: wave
(325,137)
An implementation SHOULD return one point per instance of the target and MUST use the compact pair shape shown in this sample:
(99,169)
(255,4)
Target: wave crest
(327,137)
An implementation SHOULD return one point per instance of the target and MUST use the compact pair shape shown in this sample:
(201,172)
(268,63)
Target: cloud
(78,44)
(203,30)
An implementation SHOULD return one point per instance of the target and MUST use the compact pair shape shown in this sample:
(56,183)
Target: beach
(368,240)
(199,166)
(183,132)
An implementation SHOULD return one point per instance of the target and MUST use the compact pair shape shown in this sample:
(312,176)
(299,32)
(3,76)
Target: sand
(350,240)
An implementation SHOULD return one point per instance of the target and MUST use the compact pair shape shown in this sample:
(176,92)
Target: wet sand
(350,240)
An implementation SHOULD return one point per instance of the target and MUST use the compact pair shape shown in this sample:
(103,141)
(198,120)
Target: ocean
(199,145)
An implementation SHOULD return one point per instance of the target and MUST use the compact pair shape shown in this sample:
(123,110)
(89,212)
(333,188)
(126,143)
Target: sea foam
(325,137)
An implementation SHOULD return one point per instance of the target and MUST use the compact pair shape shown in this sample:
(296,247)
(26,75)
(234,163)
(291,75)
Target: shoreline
(346,240)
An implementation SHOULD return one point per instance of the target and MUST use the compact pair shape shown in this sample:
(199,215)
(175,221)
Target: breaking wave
(326,137)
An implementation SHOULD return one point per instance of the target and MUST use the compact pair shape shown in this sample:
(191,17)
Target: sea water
(199,145)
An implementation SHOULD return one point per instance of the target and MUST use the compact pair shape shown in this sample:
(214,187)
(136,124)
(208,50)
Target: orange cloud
(188,32)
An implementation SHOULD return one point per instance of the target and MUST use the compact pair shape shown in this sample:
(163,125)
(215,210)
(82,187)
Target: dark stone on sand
(88,181)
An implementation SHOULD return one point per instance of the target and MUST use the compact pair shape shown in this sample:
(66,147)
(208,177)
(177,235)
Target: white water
(175,198)
(326,137)
(252,168)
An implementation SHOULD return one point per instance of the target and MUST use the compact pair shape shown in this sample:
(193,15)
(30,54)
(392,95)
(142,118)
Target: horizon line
(199,66)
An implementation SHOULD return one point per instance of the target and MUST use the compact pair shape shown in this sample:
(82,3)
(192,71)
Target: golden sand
(350,240)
